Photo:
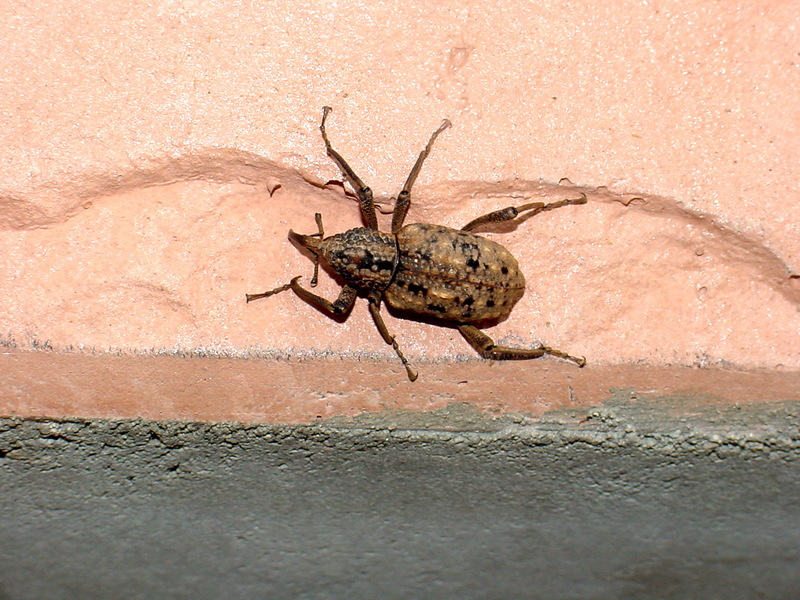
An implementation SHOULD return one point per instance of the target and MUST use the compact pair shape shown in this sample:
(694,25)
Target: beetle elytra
(451,277)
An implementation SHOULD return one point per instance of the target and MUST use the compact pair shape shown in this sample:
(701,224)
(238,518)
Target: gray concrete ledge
(630,501)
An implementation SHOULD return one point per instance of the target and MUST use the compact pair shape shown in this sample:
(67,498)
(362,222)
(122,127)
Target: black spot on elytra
(504,270)
(437,308)
(472,263)
(490,303)
(469,249)
(416,289)
(468,301)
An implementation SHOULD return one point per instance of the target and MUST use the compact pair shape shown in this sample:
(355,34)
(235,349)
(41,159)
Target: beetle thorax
(366,259)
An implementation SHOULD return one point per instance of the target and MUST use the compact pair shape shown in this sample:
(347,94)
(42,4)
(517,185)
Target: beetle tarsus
(277,290)
(578,360)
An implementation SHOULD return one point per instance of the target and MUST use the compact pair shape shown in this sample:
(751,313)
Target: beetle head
(309,242)
(312,244)
(363,257)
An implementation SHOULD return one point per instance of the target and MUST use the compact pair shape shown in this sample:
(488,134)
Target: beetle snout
(309,242)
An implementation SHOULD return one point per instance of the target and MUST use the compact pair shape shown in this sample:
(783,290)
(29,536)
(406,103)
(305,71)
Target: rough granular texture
(629,502)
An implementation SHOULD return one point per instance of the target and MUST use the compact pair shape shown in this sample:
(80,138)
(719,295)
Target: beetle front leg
(341,306)
(320,234)
(375,311)
(512,212)
(404,198)
(363,192)
(486,347)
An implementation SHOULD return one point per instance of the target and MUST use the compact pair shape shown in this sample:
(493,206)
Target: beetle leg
(277,290)
(375,311)
(510,213)
(404,199)
(486,347)
(320,234)
(340,306)
(364,192)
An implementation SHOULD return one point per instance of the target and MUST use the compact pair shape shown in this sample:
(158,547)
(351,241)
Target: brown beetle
(430,272)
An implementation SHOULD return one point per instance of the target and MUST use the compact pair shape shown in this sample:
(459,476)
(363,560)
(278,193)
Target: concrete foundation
(628,503)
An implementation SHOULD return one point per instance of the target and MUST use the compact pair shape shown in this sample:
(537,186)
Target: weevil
(450,277)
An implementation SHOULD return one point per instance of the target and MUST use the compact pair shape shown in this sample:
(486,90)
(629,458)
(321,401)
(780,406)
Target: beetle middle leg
(375,311)
(512,212)
(404,198)
(363,191)
(486,347)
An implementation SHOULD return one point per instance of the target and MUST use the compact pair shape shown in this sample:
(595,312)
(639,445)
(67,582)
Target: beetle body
(424,271)
(429,271)
(453,276)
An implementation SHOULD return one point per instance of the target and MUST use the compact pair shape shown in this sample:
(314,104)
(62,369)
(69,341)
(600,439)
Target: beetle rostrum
(452,277)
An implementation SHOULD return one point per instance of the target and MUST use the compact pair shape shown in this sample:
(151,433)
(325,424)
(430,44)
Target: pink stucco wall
(155,156)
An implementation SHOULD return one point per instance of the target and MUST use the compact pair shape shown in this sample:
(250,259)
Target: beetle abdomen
(453,275)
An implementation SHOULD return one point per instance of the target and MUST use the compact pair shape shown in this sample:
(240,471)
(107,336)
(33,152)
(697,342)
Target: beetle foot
(578,360)
(277,290)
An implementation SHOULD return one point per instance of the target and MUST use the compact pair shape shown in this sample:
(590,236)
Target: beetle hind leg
(486,347)
(512,212)
(375,311)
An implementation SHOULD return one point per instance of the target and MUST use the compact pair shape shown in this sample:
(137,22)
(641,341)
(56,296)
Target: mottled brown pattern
(452,275)
(364,258)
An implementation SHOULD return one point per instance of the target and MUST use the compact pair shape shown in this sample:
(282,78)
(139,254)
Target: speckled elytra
(450,277)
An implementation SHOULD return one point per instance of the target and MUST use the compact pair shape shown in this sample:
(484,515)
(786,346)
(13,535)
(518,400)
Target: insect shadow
(424,272)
